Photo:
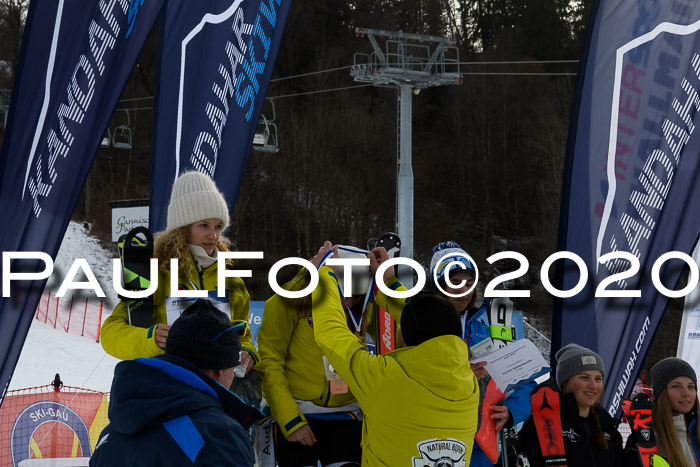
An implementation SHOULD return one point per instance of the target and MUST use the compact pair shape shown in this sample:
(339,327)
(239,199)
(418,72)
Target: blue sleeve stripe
(294,422)
(179,373)
(331,416)
(151,330)
(185,435)
(395,285)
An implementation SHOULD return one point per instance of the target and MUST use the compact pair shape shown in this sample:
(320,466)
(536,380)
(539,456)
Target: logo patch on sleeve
(448,452)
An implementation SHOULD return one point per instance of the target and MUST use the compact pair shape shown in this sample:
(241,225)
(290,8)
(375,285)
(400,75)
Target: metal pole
(48,301)
(99,323)
(82,333)
(70,312)
(404,183)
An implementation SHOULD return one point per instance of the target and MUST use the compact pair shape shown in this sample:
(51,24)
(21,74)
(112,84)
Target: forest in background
(488,154)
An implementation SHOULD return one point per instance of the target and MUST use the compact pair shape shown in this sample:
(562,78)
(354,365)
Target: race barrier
(74,316)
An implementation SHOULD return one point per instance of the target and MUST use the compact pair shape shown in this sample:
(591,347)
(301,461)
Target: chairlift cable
(137,108)
(524,62)
(320,91)
(312,73)
(329,70)
(136,99)
(493,73)
(474,73)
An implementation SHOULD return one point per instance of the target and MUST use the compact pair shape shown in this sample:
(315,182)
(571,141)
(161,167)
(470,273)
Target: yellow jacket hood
(420,403)
(440,365)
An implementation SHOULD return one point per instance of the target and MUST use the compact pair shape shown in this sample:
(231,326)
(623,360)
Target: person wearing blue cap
(449,259)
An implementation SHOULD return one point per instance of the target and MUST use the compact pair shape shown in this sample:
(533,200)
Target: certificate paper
(514,364)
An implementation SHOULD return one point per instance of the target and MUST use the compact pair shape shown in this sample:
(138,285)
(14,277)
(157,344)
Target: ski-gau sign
(630,181)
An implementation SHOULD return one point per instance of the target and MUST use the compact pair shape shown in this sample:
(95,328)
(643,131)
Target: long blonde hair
(665,430)
(173,244)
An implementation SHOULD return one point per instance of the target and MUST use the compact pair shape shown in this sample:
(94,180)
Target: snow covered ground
(80,361)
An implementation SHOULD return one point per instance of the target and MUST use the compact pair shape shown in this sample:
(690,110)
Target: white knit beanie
(195,197)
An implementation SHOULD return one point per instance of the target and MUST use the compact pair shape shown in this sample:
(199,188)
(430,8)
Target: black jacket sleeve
(528,443)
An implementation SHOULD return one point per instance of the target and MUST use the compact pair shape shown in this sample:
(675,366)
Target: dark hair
(598,435)
(428,315)
(205,336)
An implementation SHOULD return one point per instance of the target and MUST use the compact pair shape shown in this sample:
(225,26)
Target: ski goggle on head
(239,327)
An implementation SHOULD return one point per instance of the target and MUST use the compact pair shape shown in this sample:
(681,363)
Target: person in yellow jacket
(420,402)
(316,419)
(197,216)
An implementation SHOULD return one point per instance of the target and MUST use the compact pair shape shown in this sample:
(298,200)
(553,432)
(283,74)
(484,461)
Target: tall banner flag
(689,337)
(630,180)
(74,62)
(215,63)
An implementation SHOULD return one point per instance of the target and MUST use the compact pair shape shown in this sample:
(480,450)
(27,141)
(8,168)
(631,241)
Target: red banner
(37,424)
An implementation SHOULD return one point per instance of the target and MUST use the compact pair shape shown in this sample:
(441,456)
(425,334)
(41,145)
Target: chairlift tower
(408,63)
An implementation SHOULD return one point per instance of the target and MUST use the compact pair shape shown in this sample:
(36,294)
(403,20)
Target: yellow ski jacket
(420,403)
(292,362)
(127,342)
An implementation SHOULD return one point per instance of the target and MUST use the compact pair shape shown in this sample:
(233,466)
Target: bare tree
(13,14)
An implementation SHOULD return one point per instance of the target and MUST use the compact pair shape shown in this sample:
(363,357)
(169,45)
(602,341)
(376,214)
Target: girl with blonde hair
(674,413)
(197,217)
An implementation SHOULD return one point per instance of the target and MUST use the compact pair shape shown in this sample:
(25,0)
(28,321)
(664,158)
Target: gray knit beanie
(195,197)
(205,336)
(574,359)
(669,369)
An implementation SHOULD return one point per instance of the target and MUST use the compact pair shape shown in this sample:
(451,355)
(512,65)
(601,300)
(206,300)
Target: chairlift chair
(265,139)
(106,139)
(121,139)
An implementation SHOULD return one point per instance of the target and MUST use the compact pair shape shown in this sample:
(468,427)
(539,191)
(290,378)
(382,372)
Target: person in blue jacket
(175,409)
(515,408)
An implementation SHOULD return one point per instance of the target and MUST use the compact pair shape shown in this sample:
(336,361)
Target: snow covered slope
(80,361)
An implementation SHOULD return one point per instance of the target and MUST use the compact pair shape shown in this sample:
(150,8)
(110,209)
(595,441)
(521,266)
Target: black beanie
(428,315)
(205,336)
